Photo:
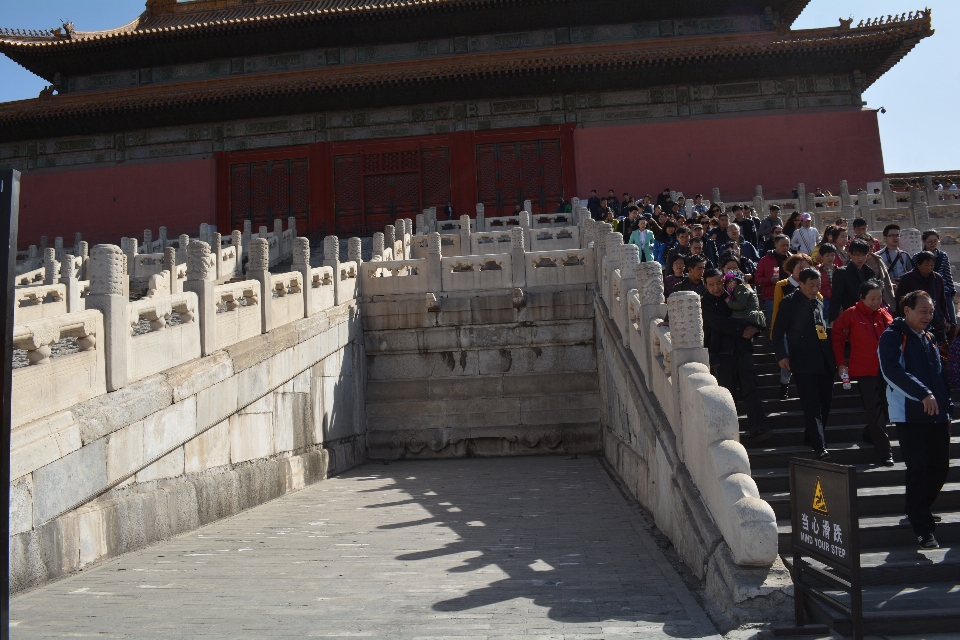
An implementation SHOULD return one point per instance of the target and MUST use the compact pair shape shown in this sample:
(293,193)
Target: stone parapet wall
(501,373)
(187,446)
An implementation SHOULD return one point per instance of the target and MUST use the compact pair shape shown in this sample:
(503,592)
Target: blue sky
(921,94)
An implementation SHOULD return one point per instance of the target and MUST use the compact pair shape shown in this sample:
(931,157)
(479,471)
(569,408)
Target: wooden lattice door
(375,187)
(510,172)
(266,190)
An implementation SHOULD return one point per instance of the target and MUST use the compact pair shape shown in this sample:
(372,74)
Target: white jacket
(805,240)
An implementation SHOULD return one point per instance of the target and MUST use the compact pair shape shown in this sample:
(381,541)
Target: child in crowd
(743,300)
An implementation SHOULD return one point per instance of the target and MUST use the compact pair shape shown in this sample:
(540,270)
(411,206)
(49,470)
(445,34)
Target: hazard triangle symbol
(819,502)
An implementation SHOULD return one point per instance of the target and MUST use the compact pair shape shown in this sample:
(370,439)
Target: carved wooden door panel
(347,183)
(263,191)
(510,172)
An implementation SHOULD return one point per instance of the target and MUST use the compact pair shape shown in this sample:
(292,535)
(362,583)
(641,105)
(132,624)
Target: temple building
(349,114)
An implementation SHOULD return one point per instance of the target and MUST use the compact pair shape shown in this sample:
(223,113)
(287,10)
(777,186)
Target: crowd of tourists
(834,303)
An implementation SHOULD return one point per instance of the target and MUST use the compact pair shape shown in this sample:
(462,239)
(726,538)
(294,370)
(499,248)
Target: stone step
(897,609)
(879,532)
(774,404)
(903,565)
(838,416)
(874,501)
(793,436)
(854,453)
(868,475)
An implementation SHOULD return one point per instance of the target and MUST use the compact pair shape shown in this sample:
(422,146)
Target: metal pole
(9,215)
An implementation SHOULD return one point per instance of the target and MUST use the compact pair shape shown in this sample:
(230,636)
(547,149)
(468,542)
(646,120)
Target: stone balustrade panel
(348,285)
(322,289)
(554,238)
(287,304)
(466,273)
(564,267)
(484,243)
(450,246)
(395,277)
(51,384)
(157,343)
(238,312)
(37,301)
(551,220)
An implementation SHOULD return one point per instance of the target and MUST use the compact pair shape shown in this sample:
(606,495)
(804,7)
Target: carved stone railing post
(198,281)
(929,190)
(170,266)
(434,265)
(33,258)
(292,226)
(77,239)
(162,238)
(182,249)
(389,242)
(845,198)
(236,239)
(68,278)
(481,223)
(331,258)
(528,206)
(649,279)
(107,295)
(686,336)
(408,238)
(921,216)
(611,262)
(147,241)
(131,251)
(465,235)
(378,246)
(801,196)
(355,254)
(247,235)
(914,196)
(215,248)
(43,244)
(715,195)
(518,256)
(810,206)
(889,198)
(83,252)
(51,268)
(58,247)
(629,259)
(758,199)
(525,219)
(205,232)
(848,213)
(911,240)
(301,264)
(259,269)
(421,224)
(278,228)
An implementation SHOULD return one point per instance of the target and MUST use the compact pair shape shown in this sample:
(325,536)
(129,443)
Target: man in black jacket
(728,341)
(803,348)
(593,205)
(696,266)
(847,279)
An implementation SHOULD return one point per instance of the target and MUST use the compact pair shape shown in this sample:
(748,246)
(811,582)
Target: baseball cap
(805,217)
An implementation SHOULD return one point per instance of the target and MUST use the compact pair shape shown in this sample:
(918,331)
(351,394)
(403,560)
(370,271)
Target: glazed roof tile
(904,35)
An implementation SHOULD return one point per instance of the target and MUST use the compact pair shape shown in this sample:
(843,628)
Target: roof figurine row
(919,15)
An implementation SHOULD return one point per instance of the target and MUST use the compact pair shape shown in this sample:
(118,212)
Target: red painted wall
(734,154)
(107,203)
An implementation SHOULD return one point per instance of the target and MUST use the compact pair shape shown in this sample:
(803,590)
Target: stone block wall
(499,373)
(177,450)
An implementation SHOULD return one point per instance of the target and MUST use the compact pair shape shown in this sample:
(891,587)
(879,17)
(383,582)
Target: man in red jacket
(768,270)
(861,326)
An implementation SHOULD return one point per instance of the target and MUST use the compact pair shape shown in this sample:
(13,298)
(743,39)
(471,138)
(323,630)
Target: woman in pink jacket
(861,326)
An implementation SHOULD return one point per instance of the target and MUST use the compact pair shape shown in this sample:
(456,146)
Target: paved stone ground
(522,547)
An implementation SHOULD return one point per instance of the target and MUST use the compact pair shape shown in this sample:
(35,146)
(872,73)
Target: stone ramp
(481,548)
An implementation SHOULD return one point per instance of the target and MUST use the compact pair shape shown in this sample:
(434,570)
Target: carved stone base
(519,440)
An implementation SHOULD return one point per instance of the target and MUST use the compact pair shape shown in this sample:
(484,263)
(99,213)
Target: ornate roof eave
(184,23)
(458,68)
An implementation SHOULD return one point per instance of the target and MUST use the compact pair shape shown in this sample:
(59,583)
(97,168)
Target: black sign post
(9,217)
(826,529)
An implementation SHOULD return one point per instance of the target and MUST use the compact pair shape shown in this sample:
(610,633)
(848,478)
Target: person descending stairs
(906,589)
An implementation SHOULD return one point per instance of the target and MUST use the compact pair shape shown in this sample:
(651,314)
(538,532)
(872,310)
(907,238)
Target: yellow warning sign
(819,502)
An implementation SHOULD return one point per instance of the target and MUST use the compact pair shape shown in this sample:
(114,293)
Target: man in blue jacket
(919,401)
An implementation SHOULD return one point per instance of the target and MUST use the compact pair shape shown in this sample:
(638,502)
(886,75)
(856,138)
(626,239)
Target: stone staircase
(906,590)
